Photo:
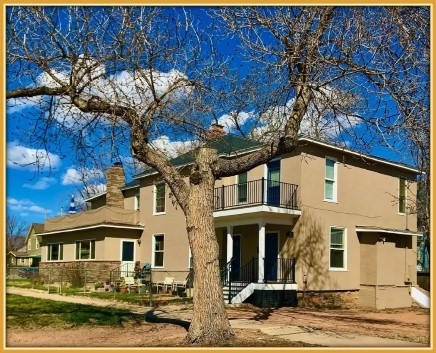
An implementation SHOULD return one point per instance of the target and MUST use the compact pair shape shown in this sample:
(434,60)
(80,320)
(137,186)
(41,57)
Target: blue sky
(33,194)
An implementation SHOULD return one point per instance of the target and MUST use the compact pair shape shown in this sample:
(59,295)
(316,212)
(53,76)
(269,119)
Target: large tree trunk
(210,324)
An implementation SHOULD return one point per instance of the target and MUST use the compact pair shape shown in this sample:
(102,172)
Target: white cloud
(77,176)
(20,157)
(170,148)
(25,206)
(41,184)
(229,120)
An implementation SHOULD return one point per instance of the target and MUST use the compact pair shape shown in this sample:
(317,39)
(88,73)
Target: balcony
(101,216)
(255,193)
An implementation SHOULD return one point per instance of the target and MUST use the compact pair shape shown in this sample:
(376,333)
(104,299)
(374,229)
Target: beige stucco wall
(171,224)
(365,196)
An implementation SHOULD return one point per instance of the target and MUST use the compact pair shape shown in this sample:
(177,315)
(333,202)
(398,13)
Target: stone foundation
(329,300)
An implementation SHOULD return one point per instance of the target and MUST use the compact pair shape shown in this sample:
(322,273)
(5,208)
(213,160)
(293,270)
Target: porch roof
(374,229)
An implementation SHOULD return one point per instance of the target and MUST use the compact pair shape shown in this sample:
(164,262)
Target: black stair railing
(236,279)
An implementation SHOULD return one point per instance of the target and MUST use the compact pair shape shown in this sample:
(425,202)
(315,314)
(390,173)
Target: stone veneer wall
(90,271)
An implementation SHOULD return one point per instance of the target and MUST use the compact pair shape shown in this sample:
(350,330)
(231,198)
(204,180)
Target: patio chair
(168,283)
(130,282)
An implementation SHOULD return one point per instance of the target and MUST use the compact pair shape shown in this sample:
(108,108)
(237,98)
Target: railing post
(222,197)
(262,195)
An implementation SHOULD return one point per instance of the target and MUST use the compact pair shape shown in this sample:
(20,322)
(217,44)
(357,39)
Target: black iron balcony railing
(256,192)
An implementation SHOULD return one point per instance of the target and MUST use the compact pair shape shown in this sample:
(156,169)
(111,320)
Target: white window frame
(334,180)
(29,245)
(91,241)
(153,251)
(37,244)
(155,199)
(136,201)
(60,251)
(190,263)
(22,260)
(345,246)
(400,178)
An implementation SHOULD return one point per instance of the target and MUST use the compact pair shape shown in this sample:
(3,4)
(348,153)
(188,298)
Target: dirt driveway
(411,325)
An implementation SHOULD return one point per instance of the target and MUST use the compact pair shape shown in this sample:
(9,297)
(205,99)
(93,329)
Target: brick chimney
(115,180)
(215,131)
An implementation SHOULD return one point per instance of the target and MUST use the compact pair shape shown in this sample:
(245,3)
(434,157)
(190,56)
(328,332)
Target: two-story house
(322,218)
(30,254)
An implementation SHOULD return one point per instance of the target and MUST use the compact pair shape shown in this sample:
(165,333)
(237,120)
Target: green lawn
(28,312)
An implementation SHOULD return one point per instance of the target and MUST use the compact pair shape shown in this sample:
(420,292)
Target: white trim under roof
(372,229)
(361,155)
(93,227)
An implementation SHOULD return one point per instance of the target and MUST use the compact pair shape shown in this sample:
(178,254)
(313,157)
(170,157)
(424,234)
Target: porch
(241,283)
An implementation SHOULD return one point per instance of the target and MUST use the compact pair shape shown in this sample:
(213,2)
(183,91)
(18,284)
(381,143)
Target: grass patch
(28,312)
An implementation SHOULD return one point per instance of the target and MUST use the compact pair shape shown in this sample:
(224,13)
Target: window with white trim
(158,250)
(22,261)
(330,179)
(338,248)
(55,252)
(29,245)
(402,194)
(159,198)
(37,244)
(85,249)
(137,199)
(190,263)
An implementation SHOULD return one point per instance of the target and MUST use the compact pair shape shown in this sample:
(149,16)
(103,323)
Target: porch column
(261,252)
(229,243)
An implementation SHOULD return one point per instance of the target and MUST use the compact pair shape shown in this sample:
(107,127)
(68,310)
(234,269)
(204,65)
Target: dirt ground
(404,324)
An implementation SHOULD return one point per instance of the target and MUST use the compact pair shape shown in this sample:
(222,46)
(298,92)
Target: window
(242,187)
(159,200)
(330,180)
(37,244)
(402,195)
(337,248)
(29,245)
(55,252)
(137,201)
(190,263)
(22,261)
(85,250)
(158,253)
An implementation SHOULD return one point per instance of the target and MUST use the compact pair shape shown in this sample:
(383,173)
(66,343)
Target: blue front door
(271,255)
(236,259)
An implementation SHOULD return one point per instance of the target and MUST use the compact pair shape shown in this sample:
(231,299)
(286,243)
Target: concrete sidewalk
(170,313)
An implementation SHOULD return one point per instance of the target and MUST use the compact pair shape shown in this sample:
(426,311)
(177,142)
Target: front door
(271,255)
(236,259)
(127,257)
(273,183)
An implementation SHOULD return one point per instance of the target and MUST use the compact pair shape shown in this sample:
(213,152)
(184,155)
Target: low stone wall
(83,271)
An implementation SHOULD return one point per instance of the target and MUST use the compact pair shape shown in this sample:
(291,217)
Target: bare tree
(16,230)
(117,78)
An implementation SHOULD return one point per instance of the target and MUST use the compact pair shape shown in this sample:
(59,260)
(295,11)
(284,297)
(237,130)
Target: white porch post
(229,246)
(261,252)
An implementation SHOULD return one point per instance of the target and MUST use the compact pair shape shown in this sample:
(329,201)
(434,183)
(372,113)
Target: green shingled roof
(226,145)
